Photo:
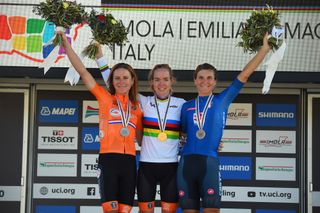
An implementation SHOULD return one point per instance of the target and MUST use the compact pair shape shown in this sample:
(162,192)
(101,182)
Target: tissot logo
(1,193)
(59,132)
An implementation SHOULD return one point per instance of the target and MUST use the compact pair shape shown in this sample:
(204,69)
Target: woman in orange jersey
(120,122)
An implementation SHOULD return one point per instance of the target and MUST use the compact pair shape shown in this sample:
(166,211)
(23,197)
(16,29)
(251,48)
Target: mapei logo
(29,37)
(62,111)
(90,138)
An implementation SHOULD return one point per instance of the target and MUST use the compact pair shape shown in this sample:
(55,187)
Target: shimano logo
(238,168)
(276,115)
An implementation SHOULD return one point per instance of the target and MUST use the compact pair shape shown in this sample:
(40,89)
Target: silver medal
(124,131)
(200,134)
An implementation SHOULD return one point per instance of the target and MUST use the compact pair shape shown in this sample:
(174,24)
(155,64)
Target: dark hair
(133,92)
(161,66)
(205,66)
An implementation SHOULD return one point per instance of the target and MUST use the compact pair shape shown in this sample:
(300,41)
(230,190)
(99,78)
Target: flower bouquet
(260,22)
(62,13)
(105,30)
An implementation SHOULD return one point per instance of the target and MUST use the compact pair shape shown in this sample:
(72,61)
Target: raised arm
(255,61)
(85,75)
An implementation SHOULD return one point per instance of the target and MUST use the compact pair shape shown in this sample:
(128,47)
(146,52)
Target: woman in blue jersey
(159,149)
(203,120)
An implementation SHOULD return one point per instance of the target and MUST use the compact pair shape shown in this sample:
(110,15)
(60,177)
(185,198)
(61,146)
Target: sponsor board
(65,191)
(276,169)
(58,165)
(10,193)
(52,137)
(276,115)
(274,211)
(55,209)
(237,141)
(58,111)
(89,165)
(239,114)
(90,112)
(90,138)
(235,168)
(269,141)
(260,194)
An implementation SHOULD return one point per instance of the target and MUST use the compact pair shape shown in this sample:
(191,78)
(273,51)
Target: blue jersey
(214,123)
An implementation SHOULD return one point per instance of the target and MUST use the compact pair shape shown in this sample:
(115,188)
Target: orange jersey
(110,122)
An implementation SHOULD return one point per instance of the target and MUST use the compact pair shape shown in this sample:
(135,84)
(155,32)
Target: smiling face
(122,81)
(205,82)
(162,82)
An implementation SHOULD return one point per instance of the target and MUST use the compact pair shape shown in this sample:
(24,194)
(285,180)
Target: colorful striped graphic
(91,111)
(151,128)
(27,37)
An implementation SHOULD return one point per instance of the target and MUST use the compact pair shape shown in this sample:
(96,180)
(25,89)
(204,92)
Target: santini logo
(276,115)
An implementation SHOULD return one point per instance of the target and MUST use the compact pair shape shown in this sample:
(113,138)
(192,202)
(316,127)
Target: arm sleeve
(100,93)
(104,68)
(230,93)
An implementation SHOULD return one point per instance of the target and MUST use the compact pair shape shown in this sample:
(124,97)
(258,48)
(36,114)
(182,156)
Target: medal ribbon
(162,126)
(124,117)
(201,119)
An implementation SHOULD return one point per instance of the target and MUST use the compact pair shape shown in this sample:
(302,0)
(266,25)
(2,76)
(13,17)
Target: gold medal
(162,136)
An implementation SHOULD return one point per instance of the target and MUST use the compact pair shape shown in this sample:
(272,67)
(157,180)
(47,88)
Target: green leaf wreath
(256,26)
(61,12)
(106,30)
